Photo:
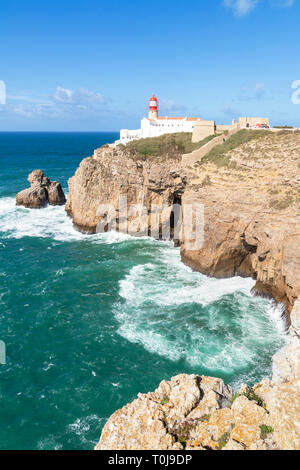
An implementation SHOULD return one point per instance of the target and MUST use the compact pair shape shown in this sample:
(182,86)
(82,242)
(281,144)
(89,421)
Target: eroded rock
(41,192)
(163,419)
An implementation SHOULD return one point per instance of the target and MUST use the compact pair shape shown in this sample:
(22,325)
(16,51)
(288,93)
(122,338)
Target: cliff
(251,198)
(250,189)
(109,174)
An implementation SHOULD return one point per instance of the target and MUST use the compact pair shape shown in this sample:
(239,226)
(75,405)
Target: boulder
(35,197)
(56,195)
(41,192)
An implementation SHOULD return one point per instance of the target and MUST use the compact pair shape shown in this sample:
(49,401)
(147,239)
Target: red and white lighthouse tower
(153,108)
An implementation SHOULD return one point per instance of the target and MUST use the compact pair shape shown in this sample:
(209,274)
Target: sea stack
(41,192)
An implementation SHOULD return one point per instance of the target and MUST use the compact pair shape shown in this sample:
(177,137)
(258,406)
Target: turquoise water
(90,321)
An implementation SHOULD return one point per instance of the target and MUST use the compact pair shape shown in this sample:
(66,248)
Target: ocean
(89,321)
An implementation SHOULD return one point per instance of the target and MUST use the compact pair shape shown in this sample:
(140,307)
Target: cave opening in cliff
(175,220)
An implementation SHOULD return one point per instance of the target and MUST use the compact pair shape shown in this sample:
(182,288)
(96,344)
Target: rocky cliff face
(252,202)
(201,413)
(251,198)
(251,205)
(109,174)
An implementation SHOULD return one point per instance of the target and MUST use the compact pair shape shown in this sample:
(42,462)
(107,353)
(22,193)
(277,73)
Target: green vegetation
(251,396)
(218,155)
(223,440)
(181,439)
(265,430)
(205,418)
(184,429)
(283,127)
(166,146)
(235,396)
(282,204)
(165,401)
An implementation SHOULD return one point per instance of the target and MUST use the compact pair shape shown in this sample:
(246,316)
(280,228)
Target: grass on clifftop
(218,155)
(166,146)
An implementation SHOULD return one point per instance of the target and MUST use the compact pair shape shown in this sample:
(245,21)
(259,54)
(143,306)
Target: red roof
(165,118)
(153,98)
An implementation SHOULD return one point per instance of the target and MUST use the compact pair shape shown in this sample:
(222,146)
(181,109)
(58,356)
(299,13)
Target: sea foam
(215,324)
(50,222)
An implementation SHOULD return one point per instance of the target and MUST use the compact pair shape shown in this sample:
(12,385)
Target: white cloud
(248,93)
(63,102)
(259,91)
(241,7)
(171,106)
(82,96)
(282,3)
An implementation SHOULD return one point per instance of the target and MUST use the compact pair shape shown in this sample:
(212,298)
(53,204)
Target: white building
(155,125)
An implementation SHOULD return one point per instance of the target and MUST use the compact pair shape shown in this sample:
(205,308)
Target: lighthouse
(154,125)
(153,108)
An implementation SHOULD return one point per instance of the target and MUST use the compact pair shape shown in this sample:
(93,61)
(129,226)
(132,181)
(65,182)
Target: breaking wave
(50,222)
(213,324)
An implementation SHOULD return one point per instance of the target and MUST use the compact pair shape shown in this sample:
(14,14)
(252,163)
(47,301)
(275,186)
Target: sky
(92,65)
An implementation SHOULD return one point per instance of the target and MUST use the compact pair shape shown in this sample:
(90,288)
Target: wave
(50,222)
(216,324)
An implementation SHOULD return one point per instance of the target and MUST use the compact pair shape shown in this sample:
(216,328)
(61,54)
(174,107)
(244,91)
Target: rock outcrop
(195,413)
(41,192)
(198,413)
(109,174)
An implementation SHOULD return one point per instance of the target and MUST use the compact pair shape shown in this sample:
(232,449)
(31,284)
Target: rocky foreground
(41,192)
(251,196)
(202,413)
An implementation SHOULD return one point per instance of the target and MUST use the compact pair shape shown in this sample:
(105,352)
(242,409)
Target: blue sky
(92,65)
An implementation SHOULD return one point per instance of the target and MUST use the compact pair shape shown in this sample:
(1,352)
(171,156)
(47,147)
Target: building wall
(224,127)
(252,121)
(158,127)
(203,129)
(129,135)
(196,156)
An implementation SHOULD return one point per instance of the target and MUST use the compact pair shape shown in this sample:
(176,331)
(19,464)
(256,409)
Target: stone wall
(203,129)
(190,158)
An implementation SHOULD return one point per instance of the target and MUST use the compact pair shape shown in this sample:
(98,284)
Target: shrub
(251,396)
(165,146)
(265,430)
(205,418)
(218,155)
(282,204)
(223,440)
(165,401)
